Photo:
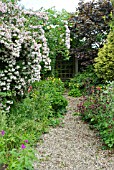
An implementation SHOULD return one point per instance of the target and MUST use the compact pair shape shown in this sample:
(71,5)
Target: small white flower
(7,109)
(4,88)
(3,84)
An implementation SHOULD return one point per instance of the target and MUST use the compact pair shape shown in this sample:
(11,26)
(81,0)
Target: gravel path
(72,147)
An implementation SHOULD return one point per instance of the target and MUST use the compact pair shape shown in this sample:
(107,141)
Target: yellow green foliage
(104,63)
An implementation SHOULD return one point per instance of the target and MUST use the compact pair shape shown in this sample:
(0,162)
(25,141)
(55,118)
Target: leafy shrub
(104,65)
(53,88)
(83,82)
(57,84)
(75,92)
(98,110)
(50,85)
(59,104)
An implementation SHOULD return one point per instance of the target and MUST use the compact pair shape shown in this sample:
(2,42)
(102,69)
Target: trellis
(66,69)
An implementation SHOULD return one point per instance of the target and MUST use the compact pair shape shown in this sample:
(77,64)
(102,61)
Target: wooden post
(76,65)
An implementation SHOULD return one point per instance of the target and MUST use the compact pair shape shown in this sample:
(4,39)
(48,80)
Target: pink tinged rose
(29,89)
(23,146)
(98,88)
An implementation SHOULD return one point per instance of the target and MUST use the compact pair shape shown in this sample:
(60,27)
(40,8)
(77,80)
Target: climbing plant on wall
(57,34)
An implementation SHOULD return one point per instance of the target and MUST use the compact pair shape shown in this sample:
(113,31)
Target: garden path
(72,146)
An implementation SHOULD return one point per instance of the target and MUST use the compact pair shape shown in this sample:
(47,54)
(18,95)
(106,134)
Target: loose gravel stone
(73,146)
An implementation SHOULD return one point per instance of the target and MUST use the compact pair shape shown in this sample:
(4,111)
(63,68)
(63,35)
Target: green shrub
(75,92)
(82,82)
(35,106)
(104,65)
(53,89)
(59,104)
(51,84)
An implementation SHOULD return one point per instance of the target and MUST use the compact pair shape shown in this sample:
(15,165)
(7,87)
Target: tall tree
(89,28)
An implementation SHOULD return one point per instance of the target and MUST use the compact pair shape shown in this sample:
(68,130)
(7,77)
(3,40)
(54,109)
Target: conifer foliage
(104,63)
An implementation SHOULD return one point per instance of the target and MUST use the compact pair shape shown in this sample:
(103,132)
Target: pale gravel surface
(72,147)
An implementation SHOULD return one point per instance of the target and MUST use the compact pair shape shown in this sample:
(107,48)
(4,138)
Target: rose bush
(29,41)
(23,47)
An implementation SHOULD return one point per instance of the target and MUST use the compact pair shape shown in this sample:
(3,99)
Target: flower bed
(27,120)
(98,110)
